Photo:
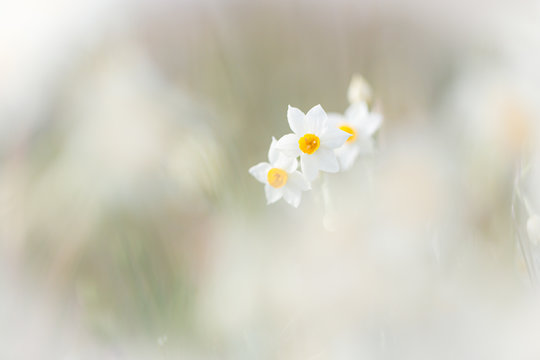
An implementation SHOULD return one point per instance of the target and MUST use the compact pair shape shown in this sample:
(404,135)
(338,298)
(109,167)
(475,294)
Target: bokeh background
(131,229)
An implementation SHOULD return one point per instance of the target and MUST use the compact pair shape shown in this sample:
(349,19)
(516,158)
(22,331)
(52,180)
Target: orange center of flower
(277,177)
(348,129)
(309,143)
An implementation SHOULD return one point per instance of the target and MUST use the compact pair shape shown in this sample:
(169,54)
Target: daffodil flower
(314,140)
(280,177)
(361,124)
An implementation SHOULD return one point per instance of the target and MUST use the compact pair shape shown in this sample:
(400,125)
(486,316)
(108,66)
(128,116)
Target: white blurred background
(131,229)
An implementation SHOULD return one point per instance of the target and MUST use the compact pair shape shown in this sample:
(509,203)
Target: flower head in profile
(361,124)
(314,140)
(280,177)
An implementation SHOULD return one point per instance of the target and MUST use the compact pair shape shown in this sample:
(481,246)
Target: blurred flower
(314,140)
(361,124)
(359,90)
(494,113)
(280,177)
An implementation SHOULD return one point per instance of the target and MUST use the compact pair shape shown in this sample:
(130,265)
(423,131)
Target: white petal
(289,164)
(335,119)
(346,155)
(327,160)
(260,171)
(333,137)
(297,120)
(298,181)
(310,166)
(371,124)
(316,120)
(288,145)
(365,145)
(273,152)
(272,194)
(356,111)
(292,197)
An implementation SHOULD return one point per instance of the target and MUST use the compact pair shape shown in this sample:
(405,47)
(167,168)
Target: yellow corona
(350,130)
(277,177)
(309,143)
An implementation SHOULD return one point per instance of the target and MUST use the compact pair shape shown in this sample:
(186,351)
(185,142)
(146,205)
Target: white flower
(314,139)
(361,125)
(359,90)
(280,177)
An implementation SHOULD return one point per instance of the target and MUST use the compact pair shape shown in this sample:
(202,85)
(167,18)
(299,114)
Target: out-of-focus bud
(533,229)
(359,90)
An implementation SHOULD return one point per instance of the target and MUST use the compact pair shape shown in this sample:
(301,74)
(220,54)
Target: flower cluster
(324,142)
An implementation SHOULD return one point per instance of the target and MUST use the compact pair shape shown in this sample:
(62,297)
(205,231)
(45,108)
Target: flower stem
(329,218)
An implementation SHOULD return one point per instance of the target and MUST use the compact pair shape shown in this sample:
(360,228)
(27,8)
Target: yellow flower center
(277,177)
(309,143)
(348,129)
